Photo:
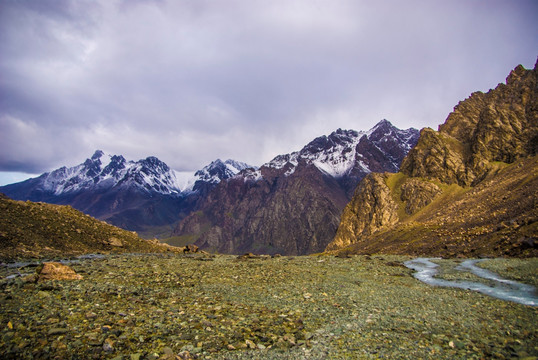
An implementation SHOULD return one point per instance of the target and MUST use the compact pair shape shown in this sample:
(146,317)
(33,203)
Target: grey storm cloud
(190,81)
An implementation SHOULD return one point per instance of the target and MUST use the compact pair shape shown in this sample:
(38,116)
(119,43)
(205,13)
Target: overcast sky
(192,81)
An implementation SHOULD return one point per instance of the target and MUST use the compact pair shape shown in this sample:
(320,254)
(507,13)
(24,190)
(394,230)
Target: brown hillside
(35,230)
(468,189)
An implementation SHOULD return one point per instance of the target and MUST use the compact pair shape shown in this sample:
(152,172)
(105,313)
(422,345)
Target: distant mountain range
(148,197)
(292,204)
(469,189)
(103,172)
(145,195)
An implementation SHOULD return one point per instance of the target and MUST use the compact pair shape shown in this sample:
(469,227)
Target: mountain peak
(383,122)
(339,153)
(499,125)
(97,154)
(219,170)
(155,164)
(382,126)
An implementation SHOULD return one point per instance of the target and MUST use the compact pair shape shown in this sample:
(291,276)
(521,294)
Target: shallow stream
(503,289)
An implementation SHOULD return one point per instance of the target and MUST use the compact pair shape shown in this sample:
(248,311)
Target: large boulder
(57,271)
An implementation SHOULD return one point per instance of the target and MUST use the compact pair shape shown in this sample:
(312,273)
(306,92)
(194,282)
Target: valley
(325,232)
(227,307)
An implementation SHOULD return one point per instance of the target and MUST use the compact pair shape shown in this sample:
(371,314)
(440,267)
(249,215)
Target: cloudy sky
(190,81)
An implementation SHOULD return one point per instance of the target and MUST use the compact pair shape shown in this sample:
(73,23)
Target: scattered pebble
(140,307)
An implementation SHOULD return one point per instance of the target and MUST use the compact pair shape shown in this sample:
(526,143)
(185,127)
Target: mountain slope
(29,230)
(292,204)
(469,188)
(145,195)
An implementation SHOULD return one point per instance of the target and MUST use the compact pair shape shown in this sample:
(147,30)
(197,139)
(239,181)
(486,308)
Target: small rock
(113,241)
(43,294)
(191,249)
(91,315)
(168,351)
(57,331)
(29,279)
(250,344)
(185,355)
(108,345)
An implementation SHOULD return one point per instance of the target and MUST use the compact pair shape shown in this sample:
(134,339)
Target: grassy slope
(30,229)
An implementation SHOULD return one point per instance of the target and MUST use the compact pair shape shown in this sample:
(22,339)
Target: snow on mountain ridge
(150,174)
(336,154)
(333,154)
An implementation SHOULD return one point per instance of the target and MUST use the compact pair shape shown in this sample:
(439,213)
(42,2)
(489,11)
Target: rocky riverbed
(221,307)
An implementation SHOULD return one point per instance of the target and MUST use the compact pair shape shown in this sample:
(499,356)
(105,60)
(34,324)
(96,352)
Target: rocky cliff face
(371,208)
(271,215)
(292,205)
(447,171)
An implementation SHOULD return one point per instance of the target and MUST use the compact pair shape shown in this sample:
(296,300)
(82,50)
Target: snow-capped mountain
(218,170)
(103,171)
(135,195)
(347,152)
(334,155)
(292,204)
(205,179)
(338,154)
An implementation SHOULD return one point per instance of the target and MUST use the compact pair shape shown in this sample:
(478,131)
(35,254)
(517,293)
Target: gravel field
(221,307)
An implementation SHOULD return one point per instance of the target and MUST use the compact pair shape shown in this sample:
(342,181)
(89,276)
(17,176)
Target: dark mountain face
(144,196)
(460,187)
(292,205)
(272,215)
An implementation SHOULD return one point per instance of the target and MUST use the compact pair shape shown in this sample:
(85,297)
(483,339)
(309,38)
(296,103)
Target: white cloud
(190,81)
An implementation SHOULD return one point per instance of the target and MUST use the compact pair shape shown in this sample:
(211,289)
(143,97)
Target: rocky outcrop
(501,125)
(371,209)
(480,138)
(418,193)
(437,156)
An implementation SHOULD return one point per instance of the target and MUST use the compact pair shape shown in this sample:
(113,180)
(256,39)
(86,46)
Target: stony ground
(166,306)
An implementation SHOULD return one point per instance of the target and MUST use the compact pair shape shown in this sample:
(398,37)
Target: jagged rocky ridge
(469,188)
(144,195)
(292,204)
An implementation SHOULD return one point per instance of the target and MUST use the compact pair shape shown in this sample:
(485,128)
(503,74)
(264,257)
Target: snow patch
(103,171)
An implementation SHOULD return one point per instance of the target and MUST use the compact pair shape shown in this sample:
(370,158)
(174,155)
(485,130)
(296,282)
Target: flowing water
(504,289)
